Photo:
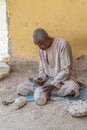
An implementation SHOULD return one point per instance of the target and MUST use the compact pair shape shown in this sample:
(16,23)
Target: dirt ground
(52,116)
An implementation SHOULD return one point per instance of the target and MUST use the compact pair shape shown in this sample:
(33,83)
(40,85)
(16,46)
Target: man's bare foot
(72,93)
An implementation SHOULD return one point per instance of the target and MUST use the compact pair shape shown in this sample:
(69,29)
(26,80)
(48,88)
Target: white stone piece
(78,109)
(20,102)
(4,70)
(40,97)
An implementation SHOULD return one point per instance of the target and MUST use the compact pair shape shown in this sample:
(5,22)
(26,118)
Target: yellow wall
(61,18)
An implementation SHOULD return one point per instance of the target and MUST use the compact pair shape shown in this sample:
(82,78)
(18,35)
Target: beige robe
(57,62)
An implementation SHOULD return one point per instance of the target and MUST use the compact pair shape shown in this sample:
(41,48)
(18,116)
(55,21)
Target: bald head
(39,34)
(42,39)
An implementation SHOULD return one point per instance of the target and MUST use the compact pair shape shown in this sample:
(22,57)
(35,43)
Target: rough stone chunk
(4,70)
(40,96)
(20,102)
(78,109)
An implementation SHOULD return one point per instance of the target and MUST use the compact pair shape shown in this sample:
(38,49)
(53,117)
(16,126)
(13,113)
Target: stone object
(20,102)
(4,102)
(40,97)
(4,70)
(7,102)
(78,109)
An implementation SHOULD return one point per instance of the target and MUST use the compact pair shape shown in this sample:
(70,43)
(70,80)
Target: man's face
(42,44)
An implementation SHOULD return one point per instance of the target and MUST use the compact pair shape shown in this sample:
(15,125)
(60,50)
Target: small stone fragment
(20,102)
(5,102)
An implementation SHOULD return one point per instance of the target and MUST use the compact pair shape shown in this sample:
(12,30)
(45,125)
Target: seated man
(56,71)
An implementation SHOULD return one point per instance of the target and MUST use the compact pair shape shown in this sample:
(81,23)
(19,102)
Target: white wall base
(4,56)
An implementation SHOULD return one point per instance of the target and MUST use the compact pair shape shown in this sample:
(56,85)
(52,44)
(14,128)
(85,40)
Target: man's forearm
(62,76)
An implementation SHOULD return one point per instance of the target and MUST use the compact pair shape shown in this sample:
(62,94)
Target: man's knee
(22,89)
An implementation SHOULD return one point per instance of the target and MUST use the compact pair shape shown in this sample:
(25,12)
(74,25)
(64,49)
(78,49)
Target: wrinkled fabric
(56,62)
(63,89)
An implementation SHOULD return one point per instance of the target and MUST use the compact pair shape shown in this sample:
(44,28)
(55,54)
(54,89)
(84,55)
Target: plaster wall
(61,18)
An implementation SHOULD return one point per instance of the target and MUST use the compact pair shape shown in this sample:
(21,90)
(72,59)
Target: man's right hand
(40,81)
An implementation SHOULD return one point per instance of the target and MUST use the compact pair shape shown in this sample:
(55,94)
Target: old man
(56,68)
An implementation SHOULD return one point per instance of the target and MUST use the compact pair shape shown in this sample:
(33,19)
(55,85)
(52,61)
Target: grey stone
(4,70)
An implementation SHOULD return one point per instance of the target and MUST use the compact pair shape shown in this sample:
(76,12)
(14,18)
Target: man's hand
(40,81)
(48,89)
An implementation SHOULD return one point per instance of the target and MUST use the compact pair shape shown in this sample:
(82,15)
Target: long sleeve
(65,62)
(41,67)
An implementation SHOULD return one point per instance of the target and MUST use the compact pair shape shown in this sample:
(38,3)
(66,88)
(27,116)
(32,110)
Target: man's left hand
(48,89)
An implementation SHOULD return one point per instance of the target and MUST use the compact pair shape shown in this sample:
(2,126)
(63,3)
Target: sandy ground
(52,116)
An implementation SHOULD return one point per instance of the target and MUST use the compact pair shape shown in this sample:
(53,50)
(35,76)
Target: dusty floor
(52,116)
